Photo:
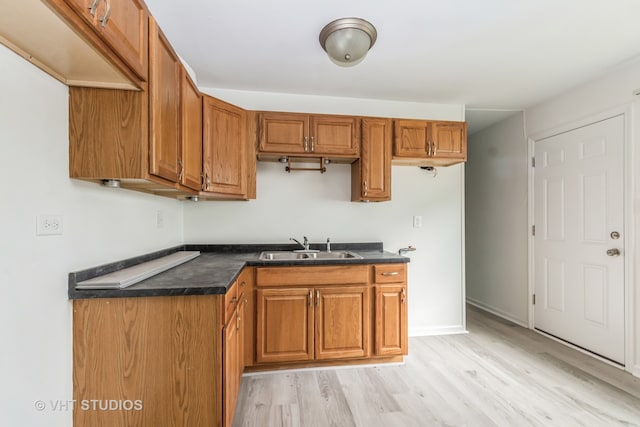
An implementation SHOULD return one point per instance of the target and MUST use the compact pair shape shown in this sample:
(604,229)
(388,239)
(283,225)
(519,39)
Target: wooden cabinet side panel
(108,130)
(191,111)
(163,352)
(225,150)
(164,84)
(251,144)
(284,325)
(411,138)
(342,322)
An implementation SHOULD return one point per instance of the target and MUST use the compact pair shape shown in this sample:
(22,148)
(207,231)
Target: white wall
(613,90)
(496,219)
(100,226)
(318,206)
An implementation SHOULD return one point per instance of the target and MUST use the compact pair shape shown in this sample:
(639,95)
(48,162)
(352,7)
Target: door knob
(613,252)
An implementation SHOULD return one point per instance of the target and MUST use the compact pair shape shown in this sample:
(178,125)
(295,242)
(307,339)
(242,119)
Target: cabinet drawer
(319,275)
(390,273)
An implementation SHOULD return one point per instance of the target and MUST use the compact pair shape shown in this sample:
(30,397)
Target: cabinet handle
(313,144)
(181,174)
(207,181)
(429,149)
(317,298)
(105,18)
(403,298)
(93,7)
(238,322)
(435,148)
(306,144)
(310,297)
(390,273)
(242,284)
(234,299)
(366,188)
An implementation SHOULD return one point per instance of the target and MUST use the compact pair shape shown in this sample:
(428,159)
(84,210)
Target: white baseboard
(497,312)
(636,371)
(439,330)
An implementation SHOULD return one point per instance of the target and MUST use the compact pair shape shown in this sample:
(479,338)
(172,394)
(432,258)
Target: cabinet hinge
(533,230)
(533,162)
(534,299)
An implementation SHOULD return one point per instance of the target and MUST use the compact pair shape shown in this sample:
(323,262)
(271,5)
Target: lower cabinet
(390,287)
(310,314)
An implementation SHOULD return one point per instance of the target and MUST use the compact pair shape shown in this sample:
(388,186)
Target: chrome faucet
(328,244)
(304,245)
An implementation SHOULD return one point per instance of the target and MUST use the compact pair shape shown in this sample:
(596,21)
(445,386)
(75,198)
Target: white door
(579,205)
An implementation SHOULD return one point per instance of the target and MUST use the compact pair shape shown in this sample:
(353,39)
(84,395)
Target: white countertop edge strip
(130,276)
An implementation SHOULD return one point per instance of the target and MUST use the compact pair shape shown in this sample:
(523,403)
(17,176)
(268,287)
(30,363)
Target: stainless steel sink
(306,255)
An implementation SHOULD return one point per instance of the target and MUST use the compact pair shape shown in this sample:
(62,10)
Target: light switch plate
(417,221)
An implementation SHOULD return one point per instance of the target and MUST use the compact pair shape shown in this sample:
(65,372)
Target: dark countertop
(215,269)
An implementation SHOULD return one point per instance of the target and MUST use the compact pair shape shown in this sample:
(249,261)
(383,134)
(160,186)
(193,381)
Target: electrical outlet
(49,225)
(159,219)
(417,221)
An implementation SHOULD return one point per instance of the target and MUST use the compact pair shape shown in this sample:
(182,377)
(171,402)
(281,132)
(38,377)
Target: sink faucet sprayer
(402,251)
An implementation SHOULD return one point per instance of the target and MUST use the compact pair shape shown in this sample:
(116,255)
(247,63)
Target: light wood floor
(499,374)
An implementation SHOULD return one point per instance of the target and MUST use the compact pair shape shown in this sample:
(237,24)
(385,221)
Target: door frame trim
(626,111)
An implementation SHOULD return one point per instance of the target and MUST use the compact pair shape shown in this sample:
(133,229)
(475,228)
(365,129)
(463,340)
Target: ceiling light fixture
(347,40)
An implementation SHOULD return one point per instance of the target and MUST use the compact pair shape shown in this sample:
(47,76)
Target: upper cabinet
(139,137)
(430,143)
(229,156)
(371,174)
(122,24)
(191,114)
(164,107)
(309,135)
(89,43)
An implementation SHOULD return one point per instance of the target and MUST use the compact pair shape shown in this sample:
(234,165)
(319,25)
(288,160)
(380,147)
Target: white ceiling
(486,54)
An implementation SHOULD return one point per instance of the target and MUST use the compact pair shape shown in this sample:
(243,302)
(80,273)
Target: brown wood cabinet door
(246,286)
(391,320)
(284,325)
(225,148)
(342,320)
(375,161)
(411,138)
(164,106)
(284,133)
(450,139)
(191,111)
(123,25)
(336,135)
(230,366)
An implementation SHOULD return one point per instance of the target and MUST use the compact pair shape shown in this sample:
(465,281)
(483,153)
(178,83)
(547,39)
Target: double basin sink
(306,255)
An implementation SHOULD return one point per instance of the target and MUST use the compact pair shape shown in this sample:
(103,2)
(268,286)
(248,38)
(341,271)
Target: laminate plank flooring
(499,374)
